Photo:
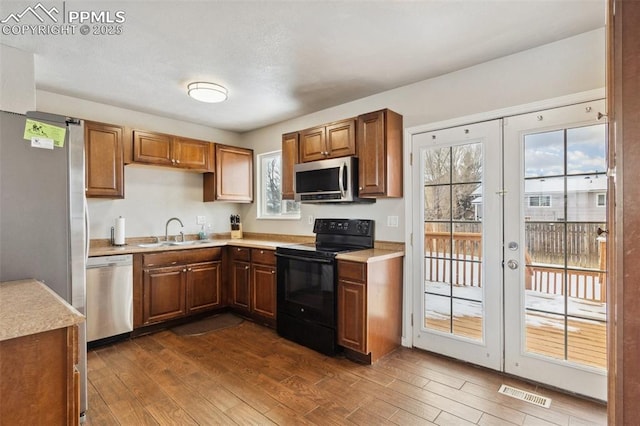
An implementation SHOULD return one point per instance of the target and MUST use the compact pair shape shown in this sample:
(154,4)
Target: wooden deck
(586,340)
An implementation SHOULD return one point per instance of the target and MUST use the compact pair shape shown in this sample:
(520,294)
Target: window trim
(260,196)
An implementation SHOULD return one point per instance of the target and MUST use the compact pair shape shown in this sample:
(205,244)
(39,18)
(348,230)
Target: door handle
(512,264)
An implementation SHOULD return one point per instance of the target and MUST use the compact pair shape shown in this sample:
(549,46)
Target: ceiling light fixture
(207,92)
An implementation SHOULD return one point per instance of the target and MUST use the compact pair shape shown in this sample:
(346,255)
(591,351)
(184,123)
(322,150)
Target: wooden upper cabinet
(152,148)
(312,144)
(104,162)
(167,150)
(328,141)
(341,138)
(191,153)
(289,159)
(233,178)
(379,144)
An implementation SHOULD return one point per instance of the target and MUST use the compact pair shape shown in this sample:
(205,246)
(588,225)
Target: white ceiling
(283,59)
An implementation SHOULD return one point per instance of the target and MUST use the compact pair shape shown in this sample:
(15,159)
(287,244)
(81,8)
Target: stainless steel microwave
(328,181)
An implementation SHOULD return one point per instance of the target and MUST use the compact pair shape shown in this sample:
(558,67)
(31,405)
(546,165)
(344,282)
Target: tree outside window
(270,203)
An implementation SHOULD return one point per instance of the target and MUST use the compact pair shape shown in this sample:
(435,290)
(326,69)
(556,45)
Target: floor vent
(532,398)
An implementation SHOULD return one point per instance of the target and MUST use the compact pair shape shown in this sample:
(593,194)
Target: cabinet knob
(273,272)
(177,161)
(246,267)
(184,270)
(173,161)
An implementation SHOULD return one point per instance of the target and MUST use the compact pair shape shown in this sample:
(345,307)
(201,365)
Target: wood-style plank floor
(248,375)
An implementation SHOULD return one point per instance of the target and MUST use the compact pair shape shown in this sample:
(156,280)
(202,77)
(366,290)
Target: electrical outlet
(310,220)
(392,221)
(200,220)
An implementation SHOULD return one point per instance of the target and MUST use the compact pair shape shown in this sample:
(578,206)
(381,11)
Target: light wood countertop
(371,255)
(383,250)
(29,307)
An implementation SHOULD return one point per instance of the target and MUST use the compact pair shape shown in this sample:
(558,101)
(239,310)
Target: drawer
(179,257)
(240,253)
(263,257)
(352,271)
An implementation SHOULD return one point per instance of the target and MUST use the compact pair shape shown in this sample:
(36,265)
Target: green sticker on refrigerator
(38,129)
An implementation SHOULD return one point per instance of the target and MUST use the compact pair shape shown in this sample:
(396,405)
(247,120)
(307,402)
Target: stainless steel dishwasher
(109,308)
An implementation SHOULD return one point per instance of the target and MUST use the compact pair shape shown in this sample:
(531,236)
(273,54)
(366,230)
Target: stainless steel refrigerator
(43,224)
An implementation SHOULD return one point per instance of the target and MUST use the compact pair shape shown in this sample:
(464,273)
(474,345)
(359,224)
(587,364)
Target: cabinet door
(264,290)
(163,293)
(312,144)
(191,154)
(203,286)
(240,285)
(104,162)
(152,148)
(341,138)
(289,159)
(379,141)
(234,174)
(352,322)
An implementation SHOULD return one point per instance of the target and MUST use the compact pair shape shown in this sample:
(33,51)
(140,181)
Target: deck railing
(457,259)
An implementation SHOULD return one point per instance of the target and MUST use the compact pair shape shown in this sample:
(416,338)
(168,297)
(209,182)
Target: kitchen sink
(152,245)
(173,243)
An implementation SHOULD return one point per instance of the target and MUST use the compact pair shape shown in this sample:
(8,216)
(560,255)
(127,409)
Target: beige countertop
(371,255)
(267,244)
(29,307)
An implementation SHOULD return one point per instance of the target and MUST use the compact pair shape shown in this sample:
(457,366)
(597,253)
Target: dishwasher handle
(109,261)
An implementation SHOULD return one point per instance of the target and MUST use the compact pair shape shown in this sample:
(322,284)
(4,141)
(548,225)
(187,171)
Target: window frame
(261,193)
(539,197)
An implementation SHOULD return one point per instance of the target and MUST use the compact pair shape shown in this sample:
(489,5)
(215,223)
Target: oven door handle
(305,259)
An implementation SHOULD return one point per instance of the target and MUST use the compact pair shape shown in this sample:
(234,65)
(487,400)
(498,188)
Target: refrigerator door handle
(86,228)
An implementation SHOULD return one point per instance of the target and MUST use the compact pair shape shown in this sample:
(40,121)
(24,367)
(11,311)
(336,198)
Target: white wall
(17,80)
(152,194)
(568,66)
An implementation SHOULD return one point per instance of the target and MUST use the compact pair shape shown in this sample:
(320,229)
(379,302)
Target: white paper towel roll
(118,237)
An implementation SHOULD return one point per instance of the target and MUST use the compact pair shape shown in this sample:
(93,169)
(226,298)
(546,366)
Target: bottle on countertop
(202,235)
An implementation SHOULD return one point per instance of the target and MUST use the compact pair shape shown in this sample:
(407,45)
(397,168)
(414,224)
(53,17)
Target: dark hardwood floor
(248,375)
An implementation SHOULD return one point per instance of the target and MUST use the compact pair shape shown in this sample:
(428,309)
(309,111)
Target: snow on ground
(439,307)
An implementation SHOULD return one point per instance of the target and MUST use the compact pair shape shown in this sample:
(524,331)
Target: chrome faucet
(166,228)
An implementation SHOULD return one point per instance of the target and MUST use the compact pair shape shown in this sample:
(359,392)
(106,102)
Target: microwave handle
(341,179)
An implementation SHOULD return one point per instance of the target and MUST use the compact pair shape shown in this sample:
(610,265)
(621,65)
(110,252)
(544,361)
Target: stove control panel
(360,227)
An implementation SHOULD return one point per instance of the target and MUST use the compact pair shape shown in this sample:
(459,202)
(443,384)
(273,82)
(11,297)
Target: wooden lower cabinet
(252,282)
(201,293)
(241,286)
(39,381)
(352,323)
(174,284)
(263,278)
(369,308)
(164,293)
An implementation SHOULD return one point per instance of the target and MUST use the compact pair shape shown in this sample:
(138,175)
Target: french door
(555,247)
(458,241)
(511,248)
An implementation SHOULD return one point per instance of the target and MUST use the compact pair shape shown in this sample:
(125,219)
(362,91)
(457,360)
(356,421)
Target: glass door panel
(555,202)
(459,313)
